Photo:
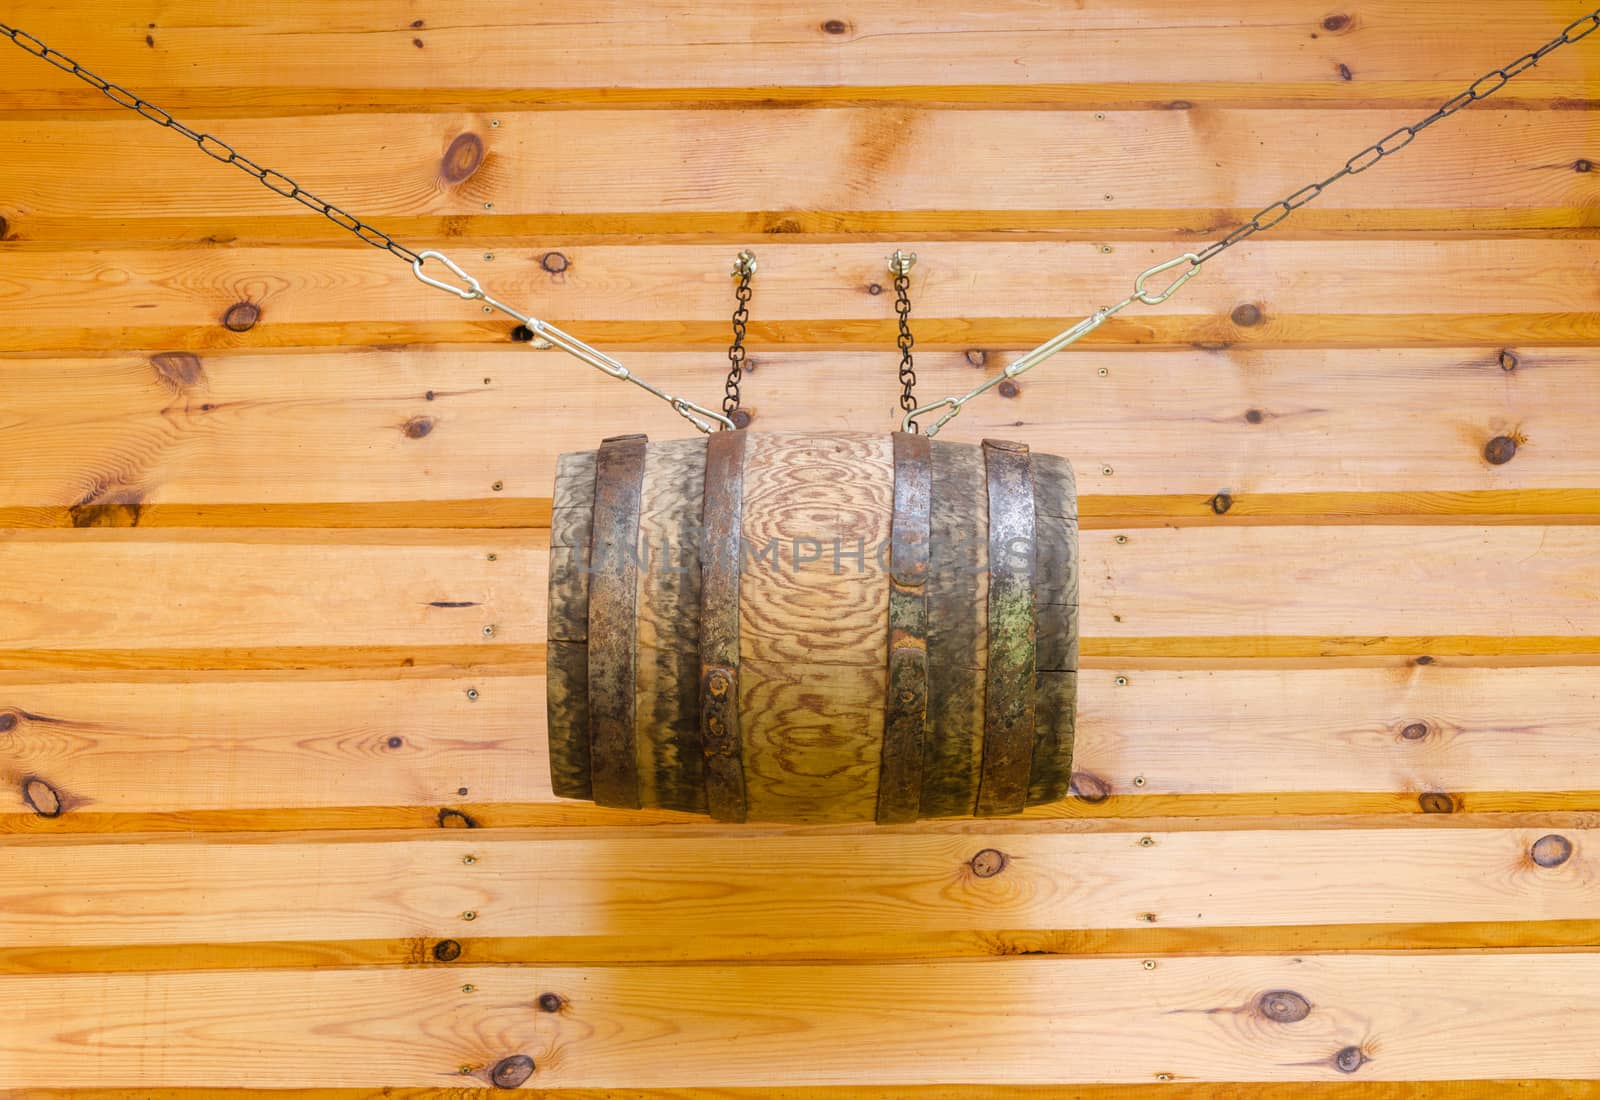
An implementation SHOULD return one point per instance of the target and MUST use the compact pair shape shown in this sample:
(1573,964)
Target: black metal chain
(743,268)
(276,182)
(1485,86)
(900,264)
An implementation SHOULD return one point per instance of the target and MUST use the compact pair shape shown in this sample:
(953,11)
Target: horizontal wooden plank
(355,587)
(104,589)
(710,894)
(857,944)
(1525,1089)
(1099,512)
(1036,1021)
(877,158)
(368,48)
(198,230)
(983,282)
(196,750)
(356,434)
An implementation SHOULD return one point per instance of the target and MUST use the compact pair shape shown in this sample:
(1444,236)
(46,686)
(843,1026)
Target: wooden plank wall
(272,573)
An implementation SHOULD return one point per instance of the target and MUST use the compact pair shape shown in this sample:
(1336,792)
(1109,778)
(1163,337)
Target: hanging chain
(900,265)
(744,266)
(1482,88)
(1265,218)
(278,183)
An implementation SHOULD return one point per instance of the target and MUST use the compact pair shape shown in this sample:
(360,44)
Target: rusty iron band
(906,705)
(613,620)
(719,626)
(1008,710)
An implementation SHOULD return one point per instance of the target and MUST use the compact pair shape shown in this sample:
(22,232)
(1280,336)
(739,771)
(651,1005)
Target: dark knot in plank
(512,1072)
(1283,1006)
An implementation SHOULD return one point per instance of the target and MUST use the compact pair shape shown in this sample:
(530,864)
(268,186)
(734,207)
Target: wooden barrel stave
(811,678)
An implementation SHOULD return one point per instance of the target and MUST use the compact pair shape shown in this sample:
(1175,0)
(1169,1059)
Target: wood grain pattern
(880,157)
(263,750)
(297,427)
(326,54)
(624,1027)
(700,889)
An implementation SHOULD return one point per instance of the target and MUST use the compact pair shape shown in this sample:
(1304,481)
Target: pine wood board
(857,158)
(699,890)
(189,749)
(1019,1021)
(301,54)
(352,438)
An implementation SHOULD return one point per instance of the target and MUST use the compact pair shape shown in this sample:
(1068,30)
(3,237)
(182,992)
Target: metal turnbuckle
(701,417)
(953,405)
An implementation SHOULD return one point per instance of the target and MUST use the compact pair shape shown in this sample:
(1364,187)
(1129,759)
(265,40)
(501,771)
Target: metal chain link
(744,266)
(213,147)
(900,265)
(1482,88)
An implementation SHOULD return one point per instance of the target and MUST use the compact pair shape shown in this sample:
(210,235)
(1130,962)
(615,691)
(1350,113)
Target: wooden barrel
(813,627)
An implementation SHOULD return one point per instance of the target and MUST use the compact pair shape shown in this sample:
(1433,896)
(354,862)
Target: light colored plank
(282,588)
(364,49)
(290,428)
(700,889)
(1525,1089)
(1105,1020)
(285,587)
(858,158)
(287,750)
(1265,283)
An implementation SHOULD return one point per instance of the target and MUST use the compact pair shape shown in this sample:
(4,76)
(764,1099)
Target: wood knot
(784,225)
(836,26)
(1246,315)
(447,951)
(1415,731)
(1221,503)
(512,1072)
(5,227)
(455,819)
(550,1002)
(241,317)
(1179,105)
(1508,360)
(1436,802)
(1089,787)
(1008,388)
(1336,23)
(1283,1006)
(554,262)
(742,417)
(1499,450)
(1551,850)
(1582,166)
(417,42)
(874,289)
(1349,1059)
(977,357)
(988,863)
(417,427)
(178,370)
(1423,660)
(395,742)
(41,797)
(1254,416)
(521,334)
(1344,72)
(8,721)
(462,158)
